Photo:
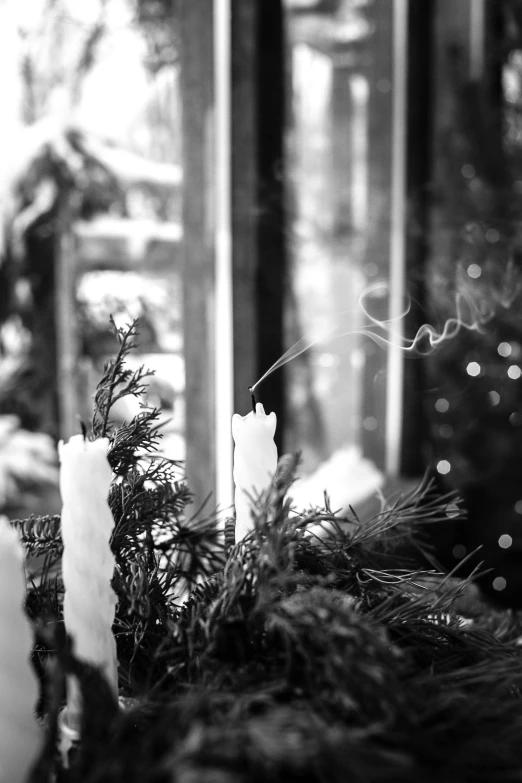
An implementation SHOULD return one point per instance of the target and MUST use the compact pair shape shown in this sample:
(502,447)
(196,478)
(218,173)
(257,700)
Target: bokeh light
(474,271)
(494,397)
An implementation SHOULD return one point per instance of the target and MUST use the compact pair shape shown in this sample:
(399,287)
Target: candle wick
(252,397)
(83,429)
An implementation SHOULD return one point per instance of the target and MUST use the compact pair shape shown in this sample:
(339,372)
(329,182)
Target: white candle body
(88,563)
(20,736)
(255,462)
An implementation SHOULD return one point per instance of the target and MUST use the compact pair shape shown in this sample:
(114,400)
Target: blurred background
(239,174)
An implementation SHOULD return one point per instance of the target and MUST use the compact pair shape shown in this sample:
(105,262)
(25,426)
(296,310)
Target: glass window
(102,217)
(346,182)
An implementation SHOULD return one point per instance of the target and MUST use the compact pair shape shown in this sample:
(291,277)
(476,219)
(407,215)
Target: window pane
(340,159)
(95,209)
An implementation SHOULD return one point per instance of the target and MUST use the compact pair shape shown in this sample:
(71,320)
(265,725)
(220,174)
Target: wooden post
(398,205)
(245,216)
(378,231)
(195,25)
(415,427)
(259,258)
(271,237)
(224,325)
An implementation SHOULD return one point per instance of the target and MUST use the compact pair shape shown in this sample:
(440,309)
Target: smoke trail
(471,313)
(311,339)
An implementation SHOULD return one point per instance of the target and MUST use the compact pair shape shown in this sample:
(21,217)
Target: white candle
(255,462)
(20,736)
(87,563)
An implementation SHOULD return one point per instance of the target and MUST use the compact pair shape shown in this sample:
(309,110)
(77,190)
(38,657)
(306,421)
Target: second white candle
(255,462)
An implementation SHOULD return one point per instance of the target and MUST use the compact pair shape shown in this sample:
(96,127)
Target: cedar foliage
(311,650)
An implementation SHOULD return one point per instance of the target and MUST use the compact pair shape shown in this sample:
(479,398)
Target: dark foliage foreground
(308,651)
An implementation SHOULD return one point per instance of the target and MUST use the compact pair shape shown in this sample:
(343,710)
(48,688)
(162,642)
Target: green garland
(312,650)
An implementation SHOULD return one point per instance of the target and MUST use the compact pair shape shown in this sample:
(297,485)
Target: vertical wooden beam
(245,212)
(378,236)
(224,359)
(196,60)
(399,140)
(271,237)
(415,427)
(259,258)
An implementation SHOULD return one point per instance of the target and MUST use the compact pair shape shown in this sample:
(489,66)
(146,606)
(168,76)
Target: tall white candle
(87,563)
(20,736)
(255,462)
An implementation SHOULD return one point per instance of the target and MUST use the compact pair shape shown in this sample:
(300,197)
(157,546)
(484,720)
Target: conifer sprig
(117,380)
(40,535)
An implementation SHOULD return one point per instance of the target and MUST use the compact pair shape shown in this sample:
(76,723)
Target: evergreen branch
(40,535)
(117,382)
(131,440)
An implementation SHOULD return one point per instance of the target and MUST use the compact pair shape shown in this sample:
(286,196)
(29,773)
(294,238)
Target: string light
(504,349)
(505,541)
(514,372)
(499,583)
(494,397)
(442,405)
(443,466)
(473,368)
(474,271)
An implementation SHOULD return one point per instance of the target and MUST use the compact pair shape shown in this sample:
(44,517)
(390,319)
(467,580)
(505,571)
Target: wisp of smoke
(471,313)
